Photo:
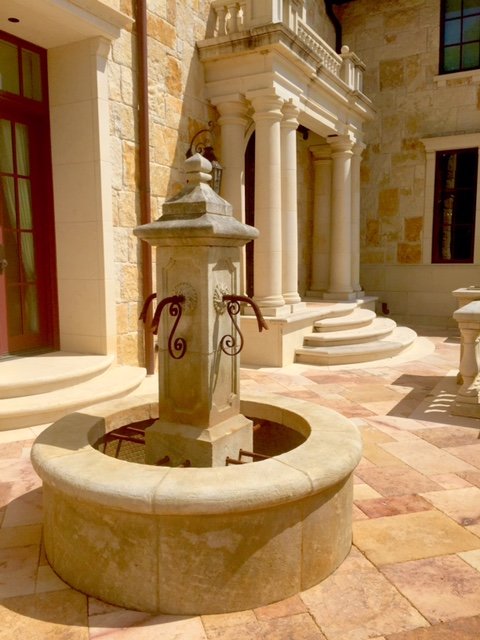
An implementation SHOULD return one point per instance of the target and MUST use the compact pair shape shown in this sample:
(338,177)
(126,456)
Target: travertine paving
(413,572)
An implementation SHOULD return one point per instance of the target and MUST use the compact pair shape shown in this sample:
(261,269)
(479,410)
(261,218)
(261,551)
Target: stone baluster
(233,9)
(221,11)
(468,318)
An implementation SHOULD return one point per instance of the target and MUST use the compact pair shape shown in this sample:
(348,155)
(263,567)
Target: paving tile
(54,616)
(461,629)
(442,588)
(470,453)
(463,505)
(160,628)
(426,458)
(358,514)
(473,477)
(397,505)
(362,491)
(288,607)
(448,436)
(25,509)
(20,536)
(411,537)
(18,568)
(47,580)
(472,557)
(380,458)
(357,602)
(396,481)
(222,620)
(450,481)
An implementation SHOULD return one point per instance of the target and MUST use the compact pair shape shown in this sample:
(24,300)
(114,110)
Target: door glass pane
(32,83)
(28,257)
(11,254)
(23,156)
(25,203)
(9,75)
(14,311)
(6,152)
(32,324)
(7,195)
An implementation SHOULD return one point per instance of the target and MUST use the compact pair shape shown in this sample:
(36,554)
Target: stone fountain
(196,535)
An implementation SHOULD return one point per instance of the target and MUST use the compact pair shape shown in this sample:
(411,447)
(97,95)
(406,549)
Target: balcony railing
(236,17)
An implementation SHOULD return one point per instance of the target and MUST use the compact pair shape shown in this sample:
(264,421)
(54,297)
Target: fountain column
(198,259)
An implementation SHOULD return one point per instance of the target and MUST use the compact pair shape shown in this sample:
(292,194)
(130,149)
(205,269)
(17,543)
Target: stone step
(357,318)
(31,375)
(399,340)
(42,408)
(377,329)
(339,309)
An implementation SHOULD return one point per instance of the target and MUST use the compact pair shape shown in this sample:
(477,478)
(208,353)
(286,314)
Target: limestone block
(391,74)
(129,175)
(161,30)
(372,234)
(388,202)
(409,253)
(413,229)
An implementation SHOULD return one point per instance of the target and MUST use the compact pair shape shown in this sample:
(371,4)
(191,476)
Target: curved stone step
(357,318)
(400,339)
(42,408)
(31,375)
(377,329)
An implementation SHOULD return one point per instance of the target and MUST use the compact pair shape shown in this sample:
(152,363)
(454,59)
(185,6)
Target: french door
(28,309)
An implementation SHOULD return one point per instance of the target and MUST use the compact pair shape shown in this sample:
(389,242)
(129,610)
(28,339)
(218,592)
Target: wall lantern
(205,148)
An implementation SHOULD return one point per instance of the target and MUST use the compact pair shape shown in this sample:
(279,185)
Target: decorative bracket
(229,344)
(177,346)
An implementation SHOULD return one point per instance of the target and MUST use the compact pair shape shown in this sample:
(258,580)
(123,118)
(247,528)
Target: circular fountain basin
(197,540)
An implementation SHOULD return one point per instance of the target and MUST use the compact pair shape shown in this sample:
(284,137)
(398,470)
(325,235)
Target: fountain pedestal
(197,242)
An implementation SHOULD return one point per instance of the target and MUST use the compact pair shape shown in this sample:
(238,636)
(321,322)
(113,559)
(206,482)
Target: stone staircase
(39,389)
(349,333)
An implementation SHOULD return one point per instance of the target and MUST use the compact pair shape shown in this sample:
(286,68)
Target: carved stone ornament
(218,303)
(188,292)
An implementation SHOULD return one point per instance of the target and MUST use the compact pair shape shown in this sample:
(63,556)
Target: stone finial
(198,169)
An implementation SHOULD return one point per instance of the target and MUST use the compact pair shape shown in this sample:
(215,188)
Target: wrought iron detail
(229,343)
(146,306)
(176,346)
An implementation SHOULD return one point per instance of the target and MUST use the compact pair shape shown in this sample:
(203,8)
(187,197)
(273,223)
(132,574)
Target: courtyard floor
(414,569)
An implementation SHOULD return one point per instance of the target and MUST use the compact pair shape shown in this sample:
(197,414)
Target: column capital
(320,152)
(359,148)
(233,109)
(290,115)
(341,144)
(266,105)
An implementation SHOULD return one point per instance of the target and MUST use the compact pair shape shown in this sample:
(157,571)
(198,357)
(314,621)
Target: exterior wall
(399,43)
(317,19)
(177,112)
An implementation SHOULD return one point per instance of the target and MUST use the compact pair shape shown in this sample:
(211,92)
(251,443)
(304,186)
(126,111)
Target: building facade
(329,119)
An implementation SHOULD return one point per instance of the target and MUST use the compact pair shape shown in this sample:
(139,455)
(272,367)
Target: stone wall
(177,111)
(399,43)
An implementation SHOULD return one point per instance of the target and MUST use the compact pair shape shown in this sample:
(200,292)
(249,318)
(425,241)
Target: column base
(269,312)
(340,295)
(201,447)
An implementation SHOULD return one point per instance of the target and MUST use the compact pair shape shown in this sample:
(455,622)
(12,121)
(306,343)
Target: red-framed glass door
(28,309)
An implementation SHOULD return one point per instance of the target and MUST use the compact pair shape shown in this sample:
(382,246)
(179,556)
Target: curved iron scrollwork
(176,346)
(229,344)
(146,307)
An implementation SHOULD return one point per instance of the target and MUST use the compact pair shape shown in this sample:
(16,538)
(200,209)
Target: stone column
(289,126)
(322,198)
(340,286)
(356,161)
(233,122)
(268,203)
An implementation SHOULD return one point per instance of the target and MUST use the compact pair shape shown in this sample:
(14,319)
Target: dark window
(455,199)
(460,33)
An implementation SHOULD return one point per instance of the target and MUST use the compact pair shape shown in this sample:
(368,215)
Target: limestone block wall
(177,111)
(399,43)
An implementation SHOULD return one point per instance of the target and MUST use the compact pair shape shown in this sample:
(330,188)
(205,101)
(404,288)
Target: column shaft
(356,161)
(322,198)
(289,126)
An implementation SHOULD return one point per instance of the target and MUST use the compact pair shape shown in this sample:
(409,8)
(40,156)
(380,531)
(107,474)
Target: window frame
(432,147)
(443,46)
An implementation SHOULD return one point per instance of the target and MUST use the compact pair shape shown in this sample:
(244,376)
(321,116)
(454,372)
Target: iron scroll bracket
(229,343)
(176,346)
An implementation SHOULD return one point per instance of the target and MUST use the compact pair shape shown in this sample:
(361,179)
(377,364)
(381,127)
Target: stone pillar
(289,126)
(356,161)
(322,198)
(340,286)
(233,122)
(467,402)
(268,203)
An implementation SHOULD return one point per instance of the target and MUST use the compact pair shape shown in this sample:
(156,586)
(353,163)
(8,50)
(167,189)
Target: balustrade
(234,17)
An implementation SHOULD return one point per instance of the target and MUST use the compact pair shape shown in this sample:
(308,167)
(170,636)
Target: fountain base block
(198,540)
